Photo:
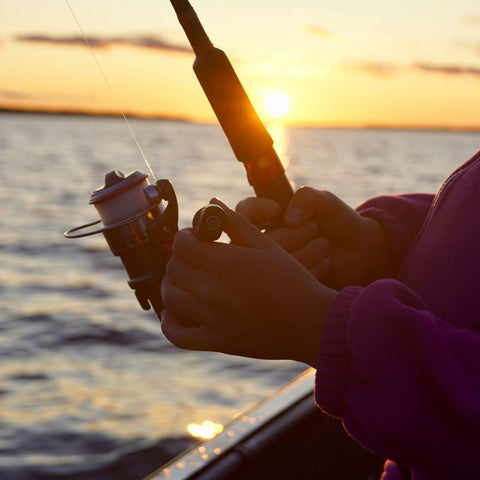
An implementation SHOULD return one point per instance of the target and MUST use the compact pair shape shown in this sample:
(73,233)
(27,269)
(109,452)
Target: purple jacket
(400,358)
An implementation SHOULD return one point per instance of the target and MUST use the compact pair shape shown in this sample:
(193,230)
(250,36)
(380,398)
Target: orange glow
(280,142)
(335,74)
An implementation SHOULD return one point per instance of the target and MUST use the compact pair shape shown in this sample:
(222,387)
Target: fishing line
(109,88)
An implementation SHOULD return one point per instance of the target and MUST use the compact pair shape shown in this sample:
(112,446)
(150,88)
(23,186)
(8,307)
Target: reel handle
(208,223)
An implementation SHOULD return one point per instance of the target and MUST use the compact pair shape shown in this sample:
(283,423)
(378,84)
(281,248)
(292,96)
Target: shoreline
(137,116)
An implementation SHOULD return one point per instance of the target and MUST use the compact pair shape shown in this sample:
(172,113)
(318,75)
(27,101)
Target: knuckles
(311,195)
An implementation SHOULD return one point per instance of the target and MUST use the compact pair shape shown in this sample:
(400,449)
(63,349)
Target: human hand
(301,240)
(250,297)
(357,246)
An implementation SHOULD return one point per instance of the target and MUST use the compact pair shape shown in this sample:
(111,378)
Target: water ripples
(89,386)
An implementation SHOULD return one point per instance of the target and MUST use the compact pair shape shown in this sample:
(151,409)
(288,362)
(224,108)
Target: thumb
(240,230)
(301,207)
(311,204)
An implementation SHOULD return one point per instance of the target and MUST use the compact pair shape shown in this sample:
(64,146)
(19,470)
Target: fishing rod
(248,137)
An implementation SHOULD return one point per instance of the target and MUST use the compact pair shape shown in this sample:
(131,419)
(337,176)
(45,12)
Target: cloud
(456,70)
(141,41)
(318,31)
(14,95)
(472,20)
(376,69)
(20,96)
(379,69)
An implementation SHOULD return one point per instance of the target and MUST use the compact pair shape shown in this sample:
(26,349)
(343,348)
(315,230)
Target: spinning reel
(139,228)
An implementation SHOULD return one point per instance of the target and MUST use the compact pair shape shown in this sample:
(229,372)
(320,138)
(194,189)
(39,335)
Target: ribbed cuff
(334,361)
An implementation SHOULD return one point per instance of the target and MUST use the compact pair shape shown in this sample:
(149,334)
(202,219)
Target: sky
(343,62)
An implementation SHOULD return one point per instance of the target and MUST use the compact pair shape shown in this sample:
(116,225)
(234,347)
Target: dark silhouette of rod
(248,137)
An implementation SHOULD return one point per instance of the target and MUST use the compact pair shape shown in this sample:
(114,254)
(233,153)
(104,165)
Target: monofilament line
(114,97)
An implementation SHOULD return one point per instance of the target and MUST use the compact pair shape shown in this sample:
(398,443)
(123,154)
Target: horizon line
(143,116)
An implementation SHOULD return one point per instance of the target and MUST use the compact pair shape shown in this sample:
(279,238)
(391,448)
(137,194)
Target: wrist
(310,346)
(376,243)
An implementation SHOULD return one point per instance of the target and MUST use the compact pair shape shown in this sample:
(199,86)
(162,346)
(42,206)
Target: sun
(276,103)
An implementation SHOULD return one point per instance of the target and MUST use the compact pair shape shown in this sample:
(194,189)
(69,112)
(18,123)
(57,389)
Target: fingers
(218,256)
(314,257)
(259,210)
(305,245)
(199,292)
(194,252)
(194,298)
(312,253)
(190,292)
(241,231)
(322,269)
(181,300)
(336,221)
(196,338)
(307,203)
(302,242)
(293,238)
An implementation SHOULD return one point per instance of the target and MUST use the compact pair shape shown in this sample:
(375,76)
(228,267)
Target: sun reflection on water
(205,430)
(279,134)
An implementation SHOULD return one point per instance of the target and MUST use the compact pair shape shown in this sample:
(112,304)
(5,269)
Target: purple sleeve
(401,216)
(405,383)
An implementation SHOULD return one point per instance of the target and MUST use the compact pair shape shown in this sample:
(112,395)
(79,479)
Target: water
(89,388)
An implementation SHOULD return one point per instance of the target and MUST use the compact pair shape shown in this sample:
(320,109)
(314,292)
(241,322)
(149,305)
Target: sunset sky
(343,62)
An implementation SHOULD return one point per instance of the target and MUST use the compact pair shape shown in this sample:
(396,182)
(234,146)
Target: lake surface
(89,387)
